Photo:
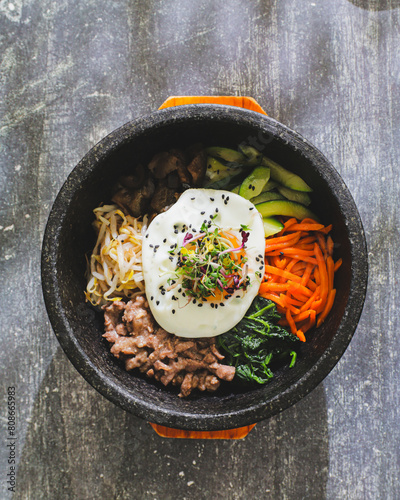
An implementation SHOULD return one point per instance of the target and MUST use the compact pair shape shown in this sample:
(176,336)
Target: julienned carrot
(292,250)
(304,226)
(328,307)
(299,274)
(282,242)
(289,223)
(292,303)
(282,272)
(274,298)
(281,263)
(338,263)
(307,273)
(291,322)
(329,245)
(330,265)
(323,273)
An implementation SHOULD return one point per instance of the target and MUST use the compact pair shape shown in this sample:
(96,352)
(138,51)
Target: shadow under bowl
(69,236)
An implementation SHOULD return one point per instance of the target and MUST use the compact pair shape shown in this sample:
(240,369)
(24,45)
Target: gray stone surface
(70,72)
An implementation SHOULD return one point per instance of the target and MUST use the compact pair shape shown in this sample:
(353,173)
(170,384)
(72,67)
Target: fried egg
(172,305)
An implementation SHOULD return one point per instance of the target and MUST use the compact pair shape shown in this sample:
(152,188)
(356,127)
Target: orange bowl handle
(238,101)
(238,433)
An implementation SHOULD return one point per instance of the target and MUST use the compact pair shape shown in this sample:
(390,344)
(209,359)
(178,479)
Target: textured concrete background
(72,71)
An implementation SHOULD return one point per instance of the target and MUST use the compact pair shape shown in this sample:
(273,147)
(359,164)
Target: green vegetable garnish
(256,342)
(211,263)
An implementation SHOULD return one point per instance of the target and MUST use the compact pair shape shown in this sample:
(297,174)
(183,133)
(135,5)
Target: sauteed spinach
(257,342)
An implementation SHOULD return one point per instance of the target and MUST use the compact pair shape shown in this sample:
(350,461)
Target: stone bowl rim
(117,394)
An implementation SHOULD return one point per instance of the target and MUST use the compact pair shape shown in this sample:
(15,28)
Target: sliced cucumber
(271,226)
(226,154)
(235,189)
(214,165)
(269,186)
(298,196)
(216,170)
(253,156)
(285,207)
(226,183)
(254,182)
(267,196)
(284,177)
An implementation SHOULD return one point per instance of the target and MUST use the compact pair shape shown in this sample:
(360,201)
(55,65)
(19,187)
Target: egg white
(171,308)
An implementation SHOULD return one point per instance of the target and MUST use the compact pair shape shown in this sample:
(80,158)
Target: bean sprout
(114,270)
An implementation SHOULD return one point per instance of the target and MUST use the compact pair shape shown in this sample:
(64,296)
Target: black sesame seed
(173,311)
(151,245)
(194,301)
(223,196)
(202,213)
(147,235)
(212,305)
(251,208)
(176,231)
(183,294)
(216,306)
(164,240)
(212,199)
(151,298)
(200,305)
(193,197)
(222,304)
(217,209)
(180,289)
(157,302)
(261,268)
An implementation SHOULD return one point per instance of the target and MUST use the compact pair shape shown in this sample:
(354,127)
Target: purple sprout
(188,236)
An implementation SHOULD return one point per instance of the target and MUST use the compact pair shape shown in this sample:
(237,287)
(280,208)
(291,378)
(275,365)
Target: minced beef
(141,343)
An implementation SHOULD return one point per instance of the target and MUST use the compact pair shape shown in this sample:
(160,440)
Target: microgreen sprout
(212,263)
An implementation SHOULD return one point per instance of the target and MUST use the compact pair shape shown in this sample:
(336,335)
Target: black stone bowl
(69,236)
